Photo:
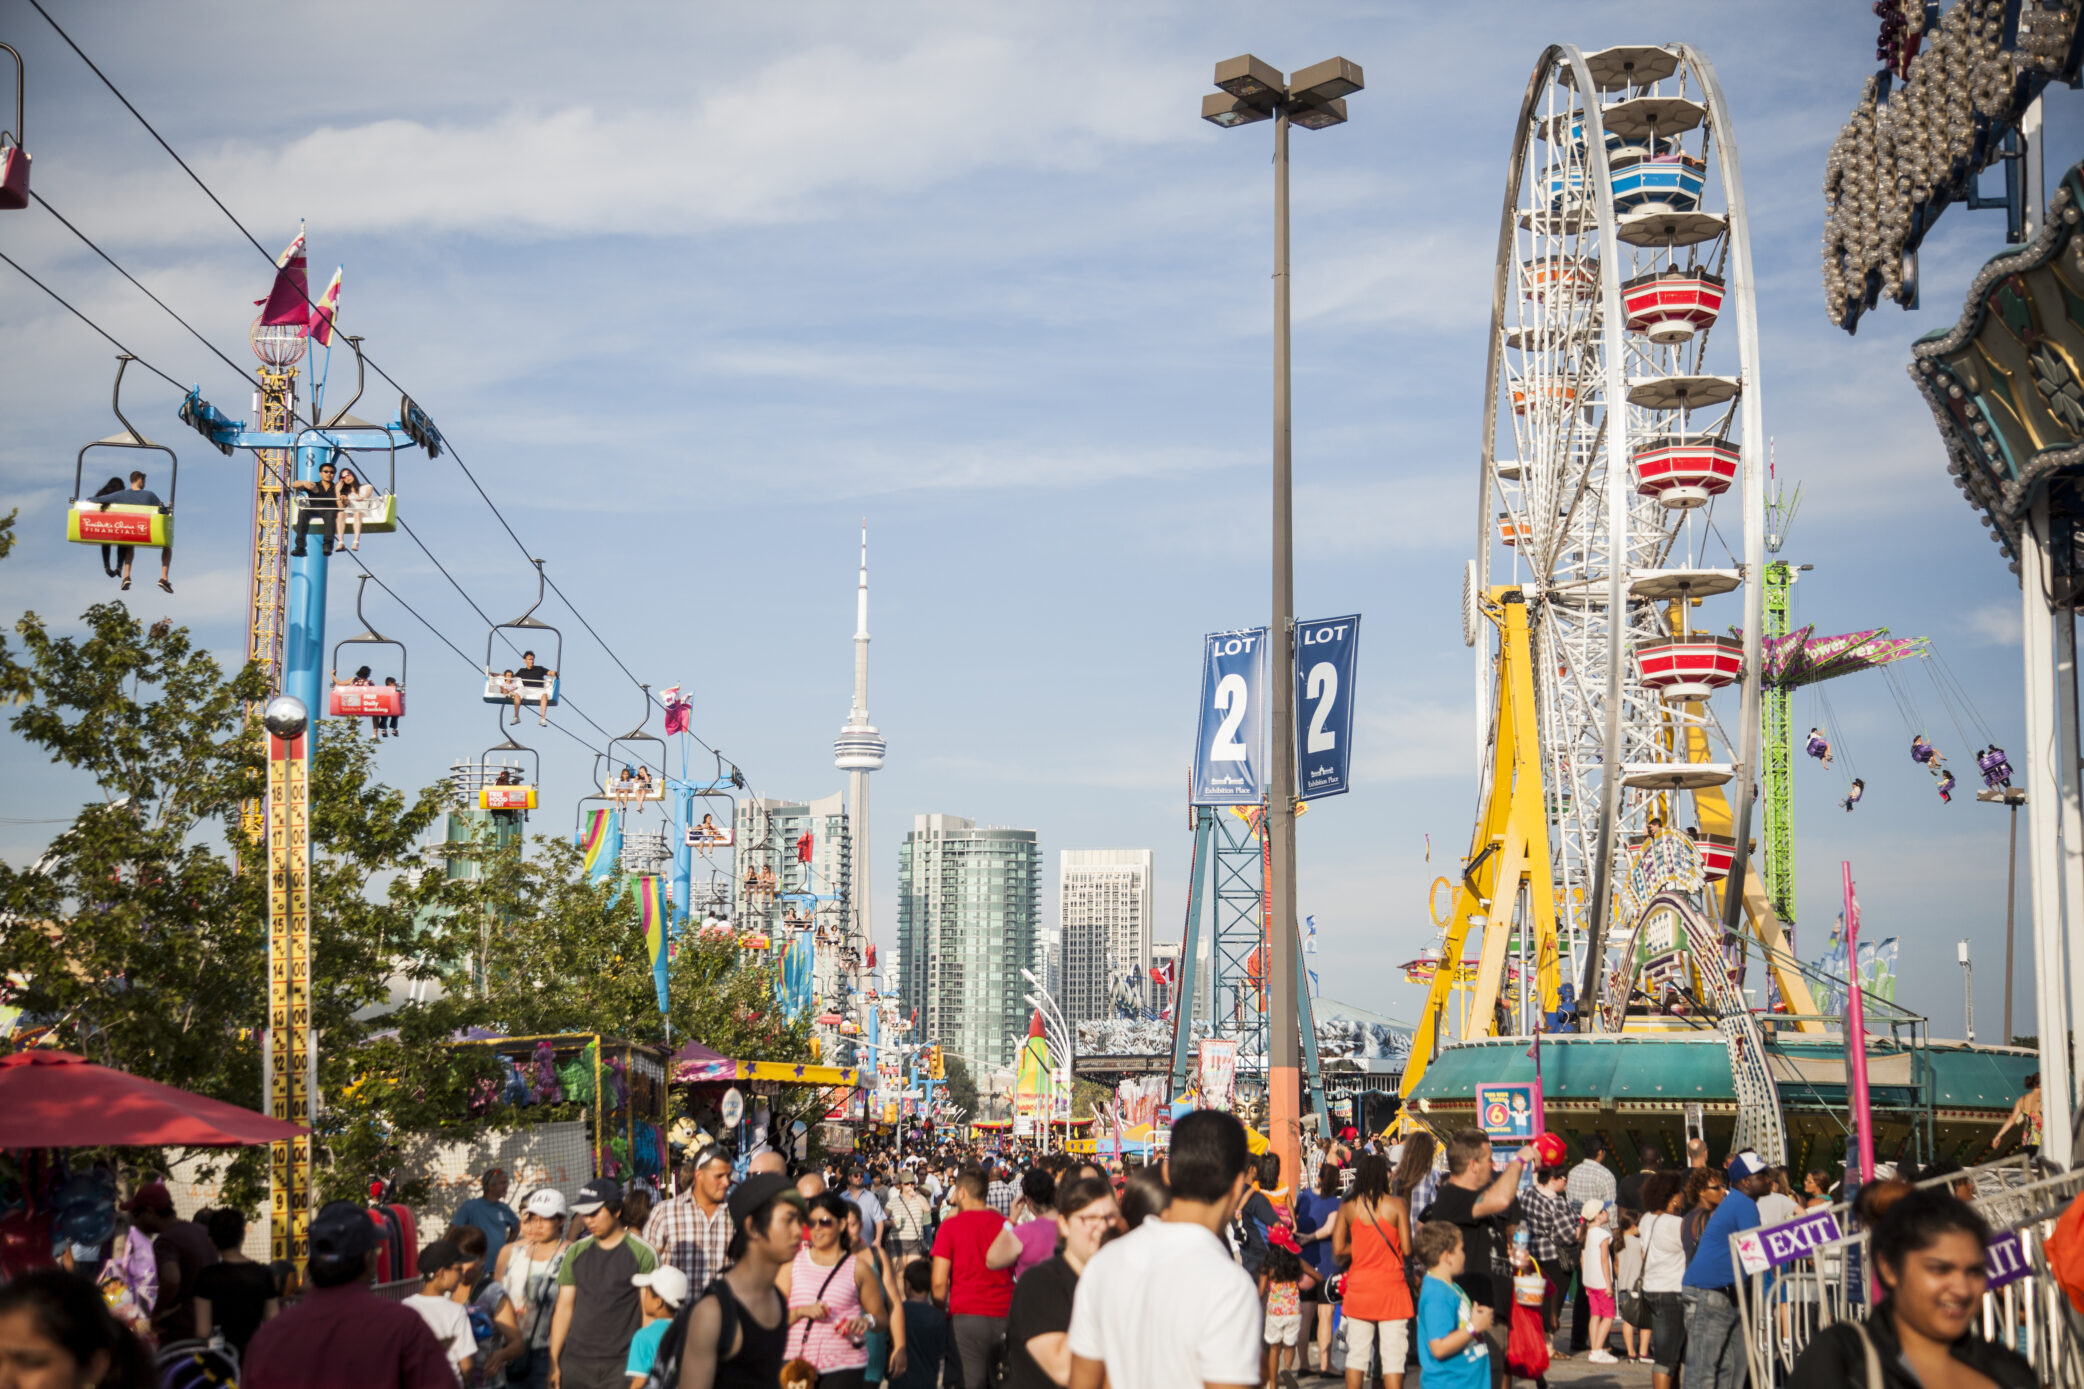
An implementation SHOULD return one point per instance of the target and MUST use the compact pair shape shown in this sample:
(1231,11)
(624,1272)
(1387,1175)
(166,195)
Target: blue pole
(683,853)
(304,652)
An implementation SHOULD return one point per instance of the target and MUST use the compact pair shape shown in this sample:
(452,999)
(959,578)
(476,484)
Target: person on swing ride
(1946,788)
(353,493)
(1819,746)
(1852,798)
(1996,770)
(535,680)
(1923,753)
(321,508)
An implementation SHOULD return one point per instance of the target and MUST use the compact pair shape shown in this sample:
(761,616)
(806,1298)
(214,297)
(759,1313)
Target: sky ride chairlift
(359,701)
(91,522)
(640,788)
(541,691)
(500,784)
(14,160)
(377,512)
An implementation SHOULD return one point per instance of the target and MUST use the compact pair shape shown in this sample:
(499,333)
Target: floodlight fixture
(1319,116)
(1248,79)
(1325,82)
(1221,108)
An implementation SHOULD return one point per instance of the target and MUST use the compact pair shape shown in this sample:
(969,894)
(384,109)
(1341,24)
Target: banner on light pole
(1324,693)
(1230,738)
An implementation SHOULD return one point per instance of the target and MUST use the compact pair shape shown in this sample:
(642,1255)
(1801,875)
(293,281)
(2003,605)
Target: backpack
(665,1366)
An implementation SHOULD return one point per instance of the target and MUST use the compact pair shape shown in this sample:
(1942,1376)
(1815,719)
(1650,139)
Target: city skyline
(1033,343)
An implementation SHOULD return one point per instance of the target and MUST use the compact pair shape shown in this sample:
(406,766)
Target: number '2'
(1322,686)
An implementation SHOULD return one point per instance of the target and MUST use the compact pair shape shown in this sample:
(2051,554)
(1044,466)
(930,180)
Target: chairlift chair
(379,512)
(14,160)
(657,790)
(90,522)
(518,796)
(531,691)
(357,701)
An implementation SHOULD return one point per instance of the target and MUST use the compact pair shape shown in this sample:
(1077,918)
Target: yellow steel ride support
(269,590)
(288,1055)
(1510,849)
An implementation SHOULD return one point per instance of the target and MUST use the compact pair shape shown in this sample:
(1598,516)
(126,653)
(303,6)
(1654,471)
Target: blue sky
(695,289)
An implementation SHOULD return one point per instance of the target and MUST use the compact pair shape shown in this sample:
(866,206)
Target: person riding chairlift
(625,787)
(1924,754)
(1859,789)
(1819,746)
(1946,788)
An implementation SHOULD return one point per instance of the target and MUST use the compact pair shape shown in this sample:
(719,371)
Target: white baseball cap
(545,1201)
(668,1282)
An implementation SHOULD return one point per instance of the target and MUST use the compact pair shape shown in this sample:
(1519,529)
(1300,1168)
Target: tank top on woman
(524,1284)
(821,1342)
(1376,1289)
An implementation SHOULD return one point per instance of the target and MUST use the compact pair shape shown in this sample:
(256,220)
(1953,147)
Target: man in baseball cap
(598,1307)
(342,1335)
(1713,1332)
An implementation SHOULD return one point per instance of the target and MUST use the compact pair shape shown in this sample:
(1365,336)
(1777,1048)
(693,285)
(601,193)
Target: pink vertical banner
(1856,1034)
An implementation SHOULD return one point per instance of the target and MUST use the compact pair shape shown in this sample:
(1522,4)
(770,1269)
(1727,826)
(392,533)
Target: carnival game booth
(620,1084)
(705,1075)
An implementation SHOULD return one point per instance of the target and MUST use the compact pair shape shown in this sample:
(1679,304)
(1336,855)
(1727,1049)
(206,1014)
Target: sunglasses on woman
(823,1222)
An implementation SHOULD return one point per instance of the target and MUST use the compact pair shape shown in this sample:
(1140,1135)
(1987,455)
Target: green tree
(135,938)
(962,1086)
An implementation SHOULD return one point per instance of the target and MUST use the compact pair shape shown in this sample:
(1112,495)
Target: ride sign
(1230,741)
(1505,1111)
(1759,1250)
(1324,660)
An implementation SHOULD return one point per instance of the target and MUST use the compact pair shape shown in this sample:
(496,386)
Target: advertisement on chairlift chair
(1325,652)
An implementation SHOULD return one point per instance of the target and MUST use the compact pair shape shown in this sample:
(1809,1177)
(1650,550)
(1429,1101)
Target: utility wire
(369,361)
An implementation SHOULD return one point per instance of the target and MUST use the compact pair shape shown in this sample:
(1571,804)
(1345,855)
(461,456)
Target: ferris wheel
(1622,481)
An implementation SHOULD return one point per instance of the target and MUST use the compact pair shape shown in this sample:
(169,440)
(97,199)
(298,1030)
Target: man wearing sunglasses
(693,1230)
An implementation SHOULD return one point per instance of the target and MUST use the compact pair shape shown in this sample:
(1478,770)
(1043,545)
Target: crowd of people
(963,1271)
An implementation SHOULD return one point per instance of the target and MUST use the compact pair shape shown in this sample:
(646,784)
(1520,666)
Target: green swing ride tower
(1793,658)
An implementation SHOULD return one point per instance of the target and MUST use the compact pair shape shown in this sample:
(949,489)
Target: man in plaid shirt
(1001,1193)
(1552,1236)
(693,1230)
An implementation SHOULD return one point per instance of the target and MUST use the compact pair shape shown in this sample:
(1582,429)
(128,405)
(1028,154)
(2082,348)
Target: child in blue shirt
(1452,1352)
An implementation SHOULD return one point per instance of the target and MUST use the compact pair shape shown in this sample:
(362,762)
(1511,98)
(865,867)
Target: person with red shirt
(973,1279)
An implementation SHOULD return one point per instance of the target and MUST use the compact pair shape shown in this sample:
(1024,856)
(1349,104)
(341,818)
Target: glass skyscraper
(969,903)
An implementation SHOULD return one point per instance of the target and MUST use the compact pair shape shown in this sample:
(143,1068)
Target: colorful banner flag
(652,906)
(288,299)
(326,310)
(600,841)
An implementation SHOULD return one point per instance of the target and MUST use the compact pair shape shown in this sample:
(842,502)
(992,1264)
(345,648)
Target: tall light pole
(2013,796)
(1313,99)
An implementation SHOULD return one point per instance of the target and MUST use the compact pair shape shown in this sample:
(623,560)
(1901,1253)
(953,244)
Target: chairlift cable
(90,245)
(113,341)
(369,361)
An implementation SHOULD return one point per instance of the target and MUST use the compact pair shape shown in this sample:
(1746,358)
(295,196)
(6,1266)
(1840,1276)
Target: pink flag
(287,301)
(679,716)
(325,311)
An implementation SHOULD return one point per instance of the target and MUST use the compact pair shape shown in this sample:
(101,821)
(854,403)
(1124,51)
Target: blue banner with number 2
(1230,742)
(1324,689)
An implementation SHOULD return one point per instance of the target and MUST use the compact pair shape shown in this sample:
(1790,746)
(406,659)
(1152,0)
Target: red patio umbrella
(54,1099)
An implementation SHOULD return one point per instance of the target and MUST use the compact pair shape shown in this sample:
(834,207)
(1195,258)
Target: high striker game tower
(1621,487)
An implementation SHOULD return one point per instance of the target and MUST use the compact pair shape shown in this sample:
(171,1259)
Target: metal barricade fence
(398,1291)
(1782,1307)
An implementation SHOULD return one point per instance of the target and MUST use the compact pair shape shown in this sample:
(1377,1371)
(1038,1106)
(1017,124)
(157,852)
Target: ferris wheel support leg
(2044,817)
(304,652)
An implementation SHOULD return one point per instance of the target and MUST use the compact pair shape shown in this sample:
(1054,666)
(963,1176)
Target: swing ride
(1612,896)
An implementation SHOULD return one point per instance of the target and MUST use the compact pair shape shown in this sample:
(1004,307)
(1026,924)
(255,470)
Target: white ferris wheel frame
(1602,711)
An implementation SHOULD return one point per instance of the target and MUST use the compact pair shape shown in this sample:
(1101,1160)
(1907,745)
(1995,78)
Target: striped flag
(600,842)
(326,310)
(649,903)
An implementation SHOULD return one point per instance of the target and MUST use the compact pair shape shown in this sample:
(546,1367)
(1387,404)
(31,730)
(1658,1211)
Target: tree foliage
(962,1086)
(138,938)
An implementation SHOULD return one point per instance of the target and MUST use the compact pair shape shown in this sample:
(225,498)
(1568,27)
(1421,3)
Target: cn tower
(857,751)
